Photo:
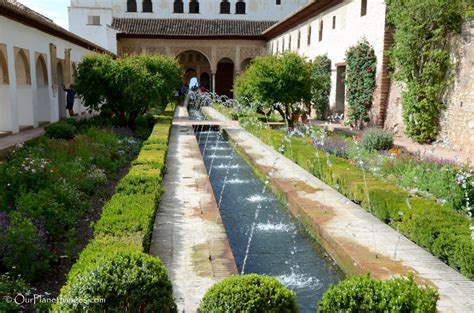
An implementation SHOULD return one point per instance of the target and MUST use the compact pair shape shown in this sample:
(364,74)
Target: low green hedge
(433,226)
(126,223)
(364,294)
(249,293)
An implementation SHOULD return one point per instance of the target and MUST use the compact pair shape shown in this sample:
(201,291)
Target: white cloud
(53,9)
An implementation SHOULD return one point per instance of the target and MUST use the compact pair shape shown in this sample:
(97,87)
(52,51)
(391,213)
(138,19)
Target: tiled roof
(189,27)
(12,9)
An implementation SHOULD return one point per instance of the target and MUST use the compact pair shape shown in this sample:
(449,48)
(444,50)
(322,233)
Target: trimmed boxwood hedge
(249,293)
(126,223)
(432,225)
(364,294)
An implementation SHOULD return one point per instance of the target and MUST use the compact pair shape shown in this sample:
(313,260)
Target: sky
(53,9)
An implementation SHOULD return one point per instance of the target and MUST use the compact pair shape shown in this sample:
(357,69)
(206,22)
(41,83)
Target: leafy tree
(127,87)
(321,84)
(421,57)
(277,82)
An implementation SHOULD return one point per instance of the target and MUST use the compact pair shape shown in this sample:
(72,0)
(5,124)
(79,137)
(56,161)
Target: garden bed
(127,220)
(433,225)
(51,192)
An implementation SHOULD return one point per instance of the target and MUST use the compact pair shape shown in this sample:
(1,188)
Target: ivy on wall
(360,82)
(321,84)
(421,57)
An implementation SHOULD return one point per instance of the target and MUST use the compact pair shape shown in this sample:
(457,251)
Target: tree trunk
(131,120)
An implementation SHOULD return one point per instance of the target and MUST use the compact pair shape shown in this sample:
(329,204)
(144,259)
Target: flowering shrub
(377,139)
(360,82)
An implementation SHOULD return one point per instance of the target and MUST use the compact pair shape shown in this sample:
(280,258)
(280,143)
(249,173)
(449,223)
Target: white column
(213,79)
(34,88)
(14,122)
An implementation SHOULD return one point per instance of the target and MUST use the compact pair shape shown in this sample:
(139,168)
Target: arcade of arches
(215,63)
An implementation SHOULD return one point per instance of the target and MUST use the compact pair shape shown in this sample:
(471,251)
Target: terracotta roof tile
(189,27)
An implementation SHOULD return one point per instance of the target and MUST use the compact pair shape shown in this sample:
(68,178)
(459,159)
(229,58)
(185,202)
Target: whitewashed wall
(350,28)
(29,105)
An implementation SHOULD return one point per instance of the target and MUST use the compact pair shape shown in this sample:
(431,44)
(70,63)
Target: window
(225,7)
(93,20)
(131,6)
(178,6)
(309,35)
(278,2)
(299,39)
(334,22)
(321,26)
(363,8)
(240,7)
(194,7)
(147,6)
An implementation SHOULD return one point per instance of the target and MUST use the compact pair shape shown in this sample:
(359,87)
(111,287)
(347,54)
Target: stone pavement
(413,147)
(188,235)
(357,240)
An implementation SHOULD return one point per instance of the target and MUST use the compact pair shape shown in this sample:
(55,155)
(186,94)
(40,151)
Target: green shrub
(127,220)
(364,294)
(127,282)
(61,130)
(249,293)
(377,139)
(24,247)
(10,287)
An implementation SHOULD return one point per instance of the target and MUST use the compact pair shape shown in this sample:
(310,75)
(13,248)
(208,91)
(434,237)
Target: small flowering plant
(465,180)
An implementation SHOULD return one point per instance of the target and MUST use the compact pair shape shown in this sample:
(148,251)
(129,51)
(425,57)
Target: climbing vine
(321,84)
(421,58)
(360,82)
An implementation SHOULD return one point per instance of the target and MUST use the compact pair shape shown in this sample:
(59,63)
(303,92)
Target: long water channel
(265,238)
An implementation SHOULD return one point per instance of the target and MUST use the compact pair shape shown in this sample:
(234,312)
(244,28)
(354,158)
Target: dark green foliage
(377,139)
(421,58)
(127,87)
(364,294)
(273,79)
(249,293)
(127,220)
(128,282)
(360,82)
(61,130)
(321,84)
(10,287)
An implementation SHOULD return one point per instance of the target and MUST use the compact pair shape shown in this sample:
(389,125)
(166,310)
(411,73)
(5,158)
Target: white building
(92,19)
(331,27)
(36,58)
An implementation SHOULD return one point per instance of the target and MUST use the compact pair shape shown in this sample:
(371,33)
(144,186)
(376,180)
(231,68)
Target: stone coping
(357,240)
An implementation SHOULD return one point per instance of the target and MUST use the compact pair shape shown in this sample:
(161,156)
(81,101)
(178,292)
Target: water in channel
(264,237)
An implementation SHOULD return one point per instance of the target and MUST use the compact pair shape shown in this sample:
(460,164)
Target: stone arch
(22,68)
(41,71)
(3,70)
(42,91)
(195,60)
(225,77)
(245,64)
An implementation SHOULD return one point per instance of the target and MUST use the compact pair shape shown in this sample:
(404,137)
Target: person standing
(70,95)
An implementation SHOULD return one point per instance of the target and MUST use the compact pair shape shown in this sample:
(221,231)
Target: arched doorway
(194,64)
(24,95)
(42,95)
(205,80)
(61,95)
(225,77)
(5,108)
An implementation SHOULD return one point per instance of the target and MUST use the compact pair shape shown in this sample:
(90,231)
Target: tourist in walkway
(70,95)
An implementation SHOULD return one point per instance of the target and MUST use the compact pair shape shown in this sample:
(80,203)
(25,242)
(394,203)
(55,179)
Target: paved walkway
(410,146)
(357,240)
(189,236)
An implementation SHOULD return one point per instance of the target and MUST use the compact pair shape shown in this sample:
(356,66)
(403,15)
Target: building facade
(36,58)
(92,19)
